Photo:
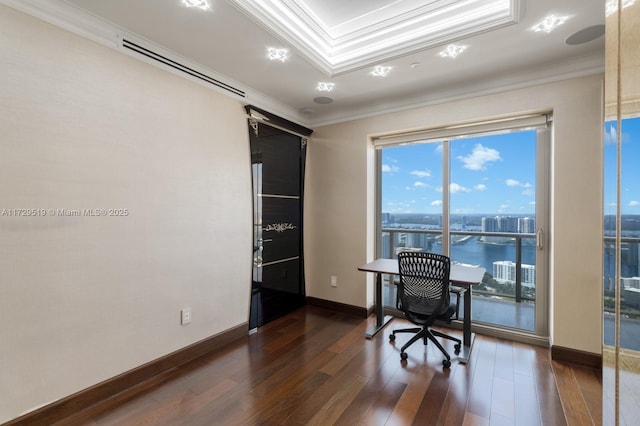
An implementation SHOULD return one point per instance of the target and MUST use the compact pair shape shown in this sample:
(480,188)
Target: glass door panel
(490,213)
(411,203)
(492,197)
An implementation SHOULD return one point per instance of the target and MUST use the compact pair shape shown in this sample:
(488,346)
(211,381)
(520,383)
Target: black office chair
(423,296)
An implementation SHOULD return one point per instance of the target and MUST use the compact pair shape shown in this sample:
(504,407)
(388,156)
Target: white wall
(85,298)
(341,192)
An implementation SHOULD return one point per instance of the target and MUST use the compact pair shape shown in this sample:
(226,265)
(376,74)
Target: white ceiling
(365,34)
(227,41)
(337,13)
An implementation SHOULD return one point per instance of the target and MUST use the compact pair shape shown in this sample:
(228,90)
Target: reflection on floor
(268,304)
(629,332)
(629,391)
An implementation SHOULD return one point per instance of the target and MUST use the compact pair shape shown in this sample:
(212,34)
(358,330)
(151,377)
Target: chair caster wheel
(446,363)
(392,337)
(403,356)
(456,347)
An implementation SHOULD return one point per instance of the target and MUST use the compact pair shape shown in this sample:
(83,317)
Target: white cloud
(513,182)
(529,192)
(532,203)
(479,157)
(611,135)
(634,203)
(480,187)
(421,173)
(419,184)
(399,207)
(454,188)
(386,168)
(436,203)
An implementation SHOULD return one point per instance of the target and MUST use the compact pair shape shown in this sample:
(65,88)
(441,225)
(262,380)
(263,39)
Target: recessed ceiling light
(452,50)
(550,23)
(277,54)
(380,71)
(612,5)
(325,87)
(201,4)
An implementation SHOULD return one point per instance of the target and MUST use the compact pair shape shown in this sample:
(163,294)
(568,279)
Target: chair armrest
(457,290)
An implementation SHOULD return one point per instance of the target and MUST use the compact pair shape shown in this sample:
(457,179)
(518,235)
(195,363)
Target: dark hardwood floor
(314,366)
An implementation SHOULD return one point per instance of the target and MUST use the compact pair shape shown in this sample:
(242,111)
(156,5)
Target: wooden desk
(460,275)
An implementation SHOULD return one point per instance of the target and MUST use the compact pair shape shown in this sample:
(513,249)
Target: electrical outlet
(185,316)
(334,281)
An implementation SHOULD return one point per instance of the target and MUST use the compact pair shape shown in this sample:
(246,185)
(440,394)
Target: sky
(493,175)
(630,176)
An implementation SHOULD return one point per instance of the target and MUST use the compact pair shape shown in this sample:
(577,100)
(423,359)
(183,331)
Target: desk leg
(467,336)
(381,319)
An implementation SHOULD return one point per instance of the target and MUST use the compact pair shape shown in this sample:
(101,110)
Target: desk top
(459,274)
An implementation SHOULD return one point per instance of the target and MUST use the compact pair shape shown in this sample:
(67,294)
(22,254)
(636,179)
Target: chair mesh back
(424,283)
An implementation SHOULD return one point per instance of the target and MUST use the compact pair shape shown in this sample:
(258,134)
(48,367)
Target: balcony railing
(630,268)
(515,238)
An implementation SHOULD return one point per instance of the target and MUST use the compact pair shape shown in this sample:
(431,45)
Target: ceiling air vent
(180,67)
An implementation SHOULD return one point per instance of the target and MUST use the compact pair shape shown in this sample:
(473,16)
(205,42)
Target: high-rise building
(505,271)
(498,224)
(632,282)
(418,240)
(631,297)
(386,244)
(508,224)
(629,259)
(490,224)
(527,225)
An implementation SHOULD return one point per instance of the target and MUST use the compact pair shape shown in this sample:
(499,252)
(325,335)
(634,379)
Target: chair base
(426,334)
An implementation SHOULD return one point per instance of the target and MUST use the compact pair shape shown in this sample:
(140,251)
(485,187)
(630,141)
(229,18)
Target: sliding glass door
(479,198)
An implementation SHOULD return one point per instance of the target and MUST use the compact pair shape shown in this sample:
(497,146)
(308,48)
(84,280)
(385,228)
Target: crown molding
(68,17)
(65,16)
(575,68)
(425,26)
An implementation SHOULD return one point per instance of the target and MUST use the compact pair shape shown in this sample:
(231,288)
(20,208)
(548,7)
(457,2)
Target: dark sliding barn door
(277,159)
